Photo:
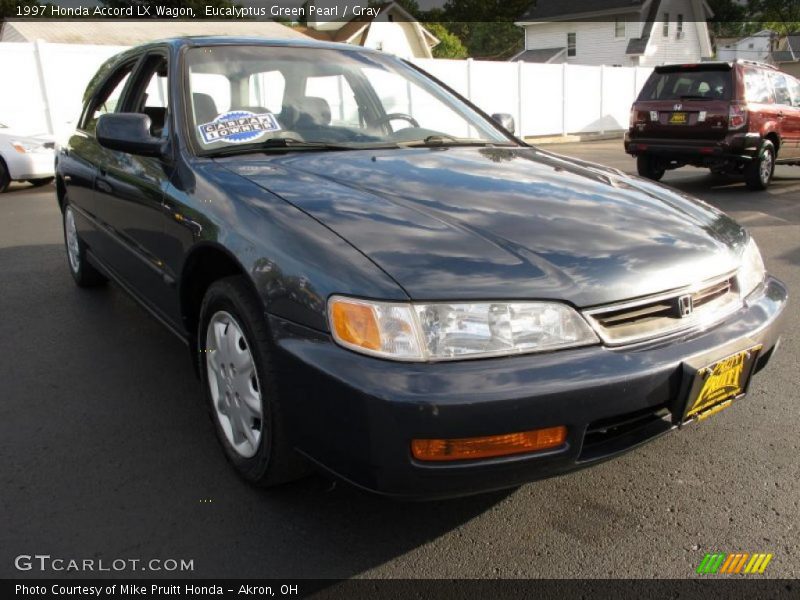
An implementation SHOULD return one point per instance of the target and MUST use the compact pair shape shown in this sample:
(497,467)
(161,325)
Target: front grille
(664,314)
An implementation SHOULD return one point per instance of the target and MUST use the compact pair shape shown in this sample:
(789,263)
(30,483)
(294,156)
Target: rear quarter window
(756,87)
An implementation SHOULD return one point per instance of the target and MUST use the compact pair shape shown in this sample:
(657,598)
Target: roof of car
(225,40)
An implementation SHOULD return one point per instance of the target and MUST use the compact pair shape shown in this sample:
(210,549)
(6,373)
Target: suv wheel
(84,274)
(758,173)
(650,167)
(5,177)
(240,386)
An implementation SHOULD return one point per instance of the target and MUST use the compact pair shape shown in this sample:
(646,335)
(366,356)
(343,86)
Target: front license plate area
(716,386)
(678,118)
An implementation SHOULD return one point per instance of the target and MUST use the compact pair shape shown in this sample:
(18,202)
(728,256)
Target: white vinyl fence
(43,84)
(546,99)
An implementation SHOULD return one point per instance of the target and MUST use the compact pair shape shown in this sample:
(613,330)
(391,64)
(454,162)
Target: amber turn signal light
(355,323)
(489,446)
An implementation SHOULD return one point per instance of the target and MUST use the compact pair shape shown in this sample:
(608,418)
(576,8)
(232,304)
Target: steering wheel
(394,116)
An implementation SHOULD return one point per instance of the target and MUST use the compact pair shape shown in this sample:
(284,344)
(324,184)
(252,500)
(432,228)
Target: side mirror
(506,121)
(129,133)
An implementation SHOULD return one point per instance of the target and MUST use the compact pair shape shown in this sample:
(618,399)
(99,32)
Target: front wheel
(650,167)
(240,387)
(84,274)
(758,173)
(5,177)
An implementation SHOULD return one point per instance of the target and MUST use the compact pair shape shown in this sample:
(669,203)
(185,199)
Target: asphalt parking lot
(107,452)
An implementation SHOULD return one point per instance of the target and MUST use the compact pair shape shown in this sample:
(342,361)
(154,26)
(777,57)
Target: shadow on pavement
(108,452)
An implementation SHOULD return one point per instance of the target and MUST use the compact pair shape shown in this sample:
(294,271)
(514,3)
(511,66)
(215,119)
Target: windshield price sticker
(238,127)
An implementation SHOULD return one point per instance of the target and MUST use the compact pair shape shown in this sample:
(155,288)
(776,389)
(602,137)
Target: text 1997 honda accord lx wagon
(375,277)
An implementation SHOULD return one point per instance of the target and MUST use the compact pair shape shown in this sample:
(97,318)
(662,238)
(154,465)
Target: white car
(25,158)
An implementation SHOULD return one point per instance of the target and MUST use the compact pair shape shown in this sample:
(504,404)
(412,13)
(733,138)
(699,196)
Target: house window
(665,29)
(619,28)
(680,26)
(572,44)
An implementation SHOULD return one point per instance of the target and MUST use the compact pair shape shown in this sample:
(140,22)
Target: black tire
(84,274)
(274,461)
(5,178)
(41,182)
(650,167)
(758,173)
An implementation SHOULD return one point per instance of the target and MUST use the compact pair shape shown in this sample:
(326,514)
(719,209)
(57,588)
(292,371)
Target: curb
(577,137)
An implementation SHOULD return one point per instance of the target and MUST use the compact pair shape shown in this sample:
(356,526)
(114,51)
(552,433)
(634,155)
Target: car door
(82,155)
(129,193)
(791,114)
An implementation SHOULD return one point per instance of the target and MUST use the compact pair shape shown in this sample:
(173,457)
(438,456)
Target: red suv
(741,117)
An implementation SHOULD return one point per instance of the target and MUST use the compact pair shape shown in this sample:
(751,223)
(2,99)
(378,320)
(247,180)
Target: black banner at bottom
(378,589)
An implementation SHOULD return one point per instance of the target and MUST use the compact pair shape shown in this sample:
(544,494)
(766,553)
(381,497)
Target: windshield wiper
(695,97)
(280,144)
(449,140)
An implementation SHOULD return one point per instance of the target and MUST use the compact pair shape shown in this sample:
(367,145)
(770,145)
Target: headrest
(205,109)
(313,111)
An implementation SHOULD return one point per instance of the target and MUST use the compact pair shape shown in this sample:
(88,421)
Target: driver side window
(150,95)
(108,99)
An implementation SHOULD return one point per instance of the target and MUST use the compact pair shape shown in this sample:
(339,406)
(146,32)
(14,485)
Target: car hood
(495,223)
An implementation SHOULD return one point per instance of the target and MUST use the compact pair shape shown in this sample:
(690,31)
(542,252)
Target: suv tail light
(737,116)
(638,116)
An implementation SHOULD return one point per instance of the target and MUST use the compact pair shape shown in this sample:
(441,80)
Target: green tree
(449,46)
(782,16)
(729,20)
(486,27)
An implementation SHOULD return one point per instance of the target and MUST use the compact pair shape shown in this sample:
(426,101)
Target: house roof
(543,10)
(639,45)
(131,33)
(541,55)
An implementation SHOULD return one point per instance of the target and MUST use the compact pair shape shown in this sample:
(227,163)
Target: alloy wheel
(765,168)
(73,246)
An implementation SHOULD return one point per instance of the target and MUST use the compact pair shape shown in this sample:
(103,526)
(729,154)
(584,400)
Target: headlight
(751,272)
(26,147)
(452,331)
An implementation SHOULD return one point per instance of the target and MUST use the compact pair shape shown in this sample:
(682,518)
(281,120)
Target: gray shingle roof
(541,55)
(551,9)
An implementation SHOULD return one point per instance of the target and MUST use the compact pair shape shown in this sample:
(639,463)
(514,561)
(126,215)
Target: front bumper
(741,146)
(31,165)
(355,415)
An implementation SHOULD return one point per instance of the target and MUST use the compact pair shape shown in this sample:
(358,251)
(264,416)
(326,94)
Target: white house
(392,30)
(616,32)
(758,46)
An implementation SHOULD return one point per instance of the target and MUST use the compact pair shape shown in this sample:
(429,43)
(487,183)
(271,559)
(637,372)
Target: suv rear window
(698,84)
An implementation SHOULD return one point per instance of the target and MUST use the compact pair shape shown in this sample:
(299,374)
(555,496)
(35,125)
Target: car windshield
(263,98)
(701,84)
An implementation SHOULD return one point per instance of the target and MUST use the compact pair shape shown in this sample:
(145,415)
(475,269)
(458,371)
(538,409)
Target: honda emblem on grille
(685,306)
(677,107)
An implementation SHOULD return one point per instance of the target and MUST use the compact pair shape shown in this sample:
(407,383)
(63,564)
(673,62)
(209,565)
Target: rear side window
(781,88)
(687,85)
(756,87)
(794,91)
